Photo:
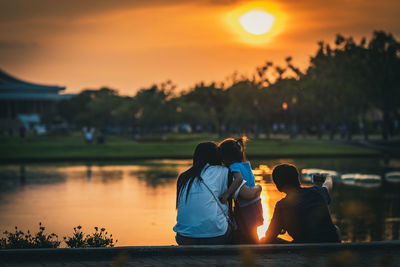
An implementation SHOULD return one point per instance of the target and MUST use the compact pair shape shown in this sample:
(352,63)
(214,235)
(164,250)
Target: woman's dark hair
(285,175)
(206,152)
(233,150)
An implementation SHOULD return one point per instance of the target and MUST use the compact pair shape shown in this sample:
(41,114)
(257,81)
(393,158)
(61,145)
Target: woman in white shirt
(201,220)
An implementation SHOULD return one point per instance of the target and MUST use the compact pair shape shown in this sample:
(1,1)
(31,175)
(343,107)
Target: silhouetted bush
(19,239)
(99,238)
(77,240)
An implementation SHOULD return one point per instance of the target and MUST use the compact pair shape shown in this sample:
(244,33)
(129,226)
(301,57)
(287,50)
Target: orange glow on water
(261,230)
(134,203)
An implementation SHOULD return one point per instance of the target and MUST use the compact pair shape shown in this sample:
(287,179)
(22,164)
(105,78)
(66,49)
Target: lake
(136,201)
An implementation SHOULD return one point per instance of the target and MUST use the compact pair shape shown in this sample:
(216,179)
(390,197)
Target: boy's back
(305,216)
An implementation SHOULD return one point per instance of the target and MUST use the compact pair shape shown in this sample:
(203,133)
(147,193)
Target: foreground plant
(77,240)
(19,239)
(99,238)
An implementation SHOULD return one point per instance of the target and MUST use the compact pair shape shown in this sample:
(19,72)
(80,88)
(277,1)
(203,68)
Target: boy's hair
(233,150)
(285,175)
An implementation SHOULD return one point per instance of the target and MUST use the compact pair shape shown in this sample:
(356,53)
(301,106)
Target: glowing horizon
(128,45)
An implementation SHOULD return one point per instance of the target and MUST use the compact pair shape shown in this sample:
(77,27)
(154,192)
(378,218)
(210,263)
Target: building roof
(14,88)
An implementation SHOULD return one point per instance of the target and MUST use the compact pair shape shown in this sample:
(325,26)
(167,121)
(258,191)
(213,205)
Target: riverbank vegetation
(349,87)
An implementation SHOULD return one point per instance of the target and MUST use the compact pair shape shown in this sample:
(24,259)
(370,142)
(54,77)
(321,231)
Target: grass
(36,148)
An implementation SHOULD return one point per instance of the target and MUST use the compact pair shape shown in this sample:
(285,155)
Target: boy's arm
(328,184)
(236,183)
(274,228)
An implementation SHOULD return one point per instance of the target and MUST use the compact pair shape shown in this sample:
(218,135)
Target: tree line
(349,87)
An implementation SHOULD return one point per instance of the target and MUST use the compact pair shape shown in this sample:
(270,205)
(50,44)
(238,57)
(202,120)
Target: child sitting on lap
(248,213)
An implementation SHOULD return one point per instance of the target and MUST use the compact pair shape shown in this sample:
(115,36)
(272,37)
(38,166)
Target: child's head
(285,177)
(233,150)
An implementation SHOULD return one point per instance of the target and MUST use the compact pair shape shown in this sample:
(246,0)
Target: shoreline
(23,160)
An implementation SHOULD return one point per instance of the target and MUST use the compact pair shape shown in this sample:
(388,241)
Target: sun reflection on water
(261,230)
(269,196)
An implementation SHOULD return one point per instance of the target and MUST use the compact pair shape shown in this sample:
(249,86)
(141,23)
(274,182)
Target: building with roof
(18,97)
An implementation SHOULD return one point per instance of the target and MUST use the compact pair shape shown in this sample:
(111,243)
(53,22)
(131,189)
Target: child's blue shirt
(245,169)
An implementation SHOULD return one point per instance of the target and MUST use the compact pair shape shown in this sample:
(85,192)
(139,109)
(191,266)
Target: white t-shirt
(199,215)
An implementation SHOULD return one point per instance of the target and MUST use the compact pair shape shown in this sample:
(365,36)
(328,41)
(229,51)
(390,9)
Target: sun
(257,22)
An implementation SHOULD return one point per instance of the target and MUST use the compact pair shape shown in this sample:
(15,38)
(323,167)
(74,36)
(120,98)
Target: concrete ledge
(106,254)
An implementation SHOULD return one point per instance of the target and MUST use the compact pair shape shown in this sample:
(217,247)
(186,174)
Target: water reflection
(156,176)
(18,177)
(137,202)
(393,177)
(114,197)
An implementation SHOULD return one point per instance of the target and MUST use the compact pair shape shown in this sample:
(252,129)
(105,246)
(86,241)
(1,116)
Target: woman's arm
(237,181)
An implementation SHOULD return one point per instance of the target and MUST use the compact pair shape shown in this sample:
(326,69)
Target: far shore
(127,158)
(72,148)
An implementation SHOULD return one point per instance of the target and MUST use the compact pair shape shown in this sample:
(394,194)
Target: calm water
(136,202)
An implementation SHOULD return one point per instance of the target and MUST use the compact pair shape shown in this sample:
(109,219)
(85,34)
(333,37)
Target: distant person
(88,134)
(303,213)
(201,218)
(89,172)
(343,130)
(88,137)
(22,131)
(100,138)
(275,128)
(248,213)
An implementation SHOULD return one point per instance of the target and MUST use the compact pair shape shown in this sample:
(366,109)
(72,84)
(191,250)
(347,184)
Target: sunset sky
(131,44)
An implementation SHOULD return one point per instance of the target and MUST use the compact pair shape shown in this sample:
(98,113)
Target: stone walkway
(356,254)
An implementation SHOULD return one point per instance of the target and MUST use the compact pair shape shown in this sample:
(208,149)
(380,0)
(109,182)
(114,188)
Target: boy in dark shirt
(303,213)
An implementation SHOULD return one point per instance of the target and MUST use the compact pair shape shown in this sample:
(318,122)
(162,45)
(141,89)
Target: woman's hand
(224,197)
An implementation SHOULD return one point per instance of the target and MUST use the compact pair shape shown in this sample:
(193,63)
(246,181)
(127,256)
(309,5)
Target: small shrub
(99,238)
(19,239)
(77,240)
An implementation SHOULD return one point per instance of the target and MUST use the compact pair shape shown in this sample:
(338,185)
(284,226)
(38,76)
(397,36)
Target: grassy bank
(36,148)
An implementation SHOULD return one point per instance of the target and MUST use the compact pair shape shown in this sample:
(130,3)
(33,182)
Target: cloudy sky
(130,44)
